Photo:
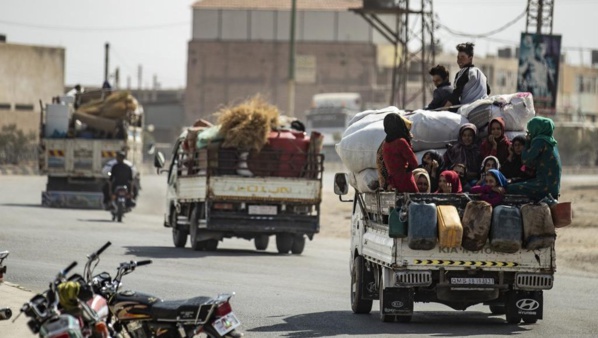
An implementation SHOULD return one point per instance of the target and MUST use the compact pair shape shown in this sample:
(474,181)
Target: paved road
(277,296)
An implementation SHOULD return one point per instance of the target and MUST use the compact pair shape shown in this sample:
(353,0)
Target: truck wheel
(298,244)
(261,242)
(358,304)
(384,318)
(193,231)
(284,243)
(211,244)
(179,238)
(497,309)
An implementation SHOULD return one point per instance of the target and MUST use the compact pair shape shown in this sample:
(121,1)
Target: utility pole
(139,77)
(539,16)
(291,107)
(106,59)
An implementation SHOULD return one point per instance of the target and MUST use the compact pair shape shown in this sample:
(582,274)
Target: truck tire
(284,243)
(358,304)
(193,229)
(210,244)
(384,318)
(497,309)
(261,242)
(179,236)
(298,244)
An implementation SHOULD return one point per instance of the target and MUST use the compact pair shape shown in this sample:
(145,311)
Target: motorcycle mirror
(159,160)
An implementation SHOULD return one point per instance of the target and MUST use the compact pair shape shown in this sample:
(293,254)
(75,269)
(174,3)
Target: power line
(485,35)
(88,29)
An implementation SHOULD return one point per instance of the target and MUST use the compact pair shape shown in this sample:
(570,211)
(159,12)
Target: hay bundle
(246,126)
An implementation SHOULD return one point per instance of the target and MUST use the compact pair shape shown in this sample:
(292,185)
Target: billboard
(539,57)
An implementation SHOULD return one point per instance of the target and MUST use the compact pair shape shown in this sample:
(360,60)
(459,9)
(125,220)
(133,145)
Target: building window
(20,106)
(587,84)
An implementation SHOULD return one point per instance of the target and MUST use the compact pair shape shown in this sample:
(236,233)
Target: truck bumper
(73,199)
(242,223)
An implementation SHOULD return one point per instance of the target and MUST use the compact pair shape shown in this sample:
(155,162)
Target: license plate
(472,281)
(262,210)
(224,325)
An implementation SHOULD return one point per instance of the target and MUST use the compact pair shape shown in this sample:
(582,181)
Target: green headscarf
(541,128)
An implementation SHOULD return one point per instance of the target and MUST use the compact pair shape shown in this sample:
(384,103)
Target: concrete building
(28,74)
(241,48)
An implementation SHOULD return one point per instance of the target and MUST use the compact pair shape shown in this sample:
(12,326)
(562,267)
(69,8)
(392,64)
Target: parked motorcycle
(5,313)
(61,311)
(144,316)
(121,203)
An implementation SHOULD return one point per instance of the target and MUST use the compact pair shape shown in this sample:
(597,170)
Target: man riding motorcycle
(121,174)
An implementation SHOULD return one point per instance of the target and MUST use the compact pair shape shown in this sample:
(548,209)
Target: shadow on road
(429,323)
(170,252)
(24,205)
(101,220)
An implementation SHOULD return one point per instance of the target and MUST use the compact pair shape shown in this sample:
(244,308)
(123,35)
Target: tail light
(101,330)
(223,309)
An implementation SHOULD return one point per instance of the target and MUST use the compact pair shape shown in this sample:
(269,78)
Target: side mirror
(341,187)
(151,149)
(158,160)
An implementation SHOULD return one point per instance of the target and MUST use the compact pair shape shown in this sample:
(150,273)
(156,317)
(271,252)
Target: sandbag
(538,228)
(365,181)
(476,225)
(358,150)
(432,129)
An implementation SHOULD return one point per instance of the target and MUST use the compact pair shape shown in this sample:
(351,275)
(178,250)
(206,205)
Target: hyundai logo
(527,304)
(397,304)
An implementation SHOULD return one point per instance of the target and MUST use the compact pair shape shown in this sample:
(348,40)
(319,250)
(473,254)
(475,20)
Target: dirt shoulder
(575,245)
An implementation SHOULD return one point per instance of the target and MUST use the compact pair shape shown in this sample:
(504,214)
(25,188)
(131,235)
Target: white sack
(368,117)
(517,110)
(365,181)
(366,113)
(433,129)
(358,150)
(467,108)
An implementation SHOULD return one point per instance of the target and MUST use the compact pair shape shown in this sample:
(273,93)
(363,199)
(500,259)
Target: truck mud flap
(369,289)
(398,301)
(527,305)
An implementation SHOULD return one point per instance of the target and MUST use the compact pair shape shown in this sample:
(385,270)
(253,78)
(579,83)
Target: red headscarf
(453,178)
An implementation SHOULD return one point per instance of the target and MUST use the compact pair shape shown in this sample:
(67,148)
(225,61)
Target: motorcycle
(5,313)
(121,203)
(50,317)
(144,316)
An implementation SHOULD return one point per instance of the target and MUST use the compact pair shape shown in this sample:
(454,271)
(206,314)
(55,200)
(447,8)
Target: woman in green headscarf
(542,155)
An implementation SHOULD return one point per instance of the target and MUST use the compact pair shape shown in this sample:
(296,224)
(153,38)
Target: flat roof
(302,5)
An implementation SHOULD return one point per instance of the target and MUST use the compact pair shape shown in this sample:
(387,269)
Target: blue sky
(154,33)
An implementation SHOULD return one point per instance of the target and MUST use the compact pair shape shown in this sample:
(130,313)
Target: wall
(28,73)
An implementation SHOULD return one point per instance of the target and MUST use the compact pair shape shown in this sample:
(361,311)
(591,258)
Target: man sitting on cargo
(440,78)
(470,83)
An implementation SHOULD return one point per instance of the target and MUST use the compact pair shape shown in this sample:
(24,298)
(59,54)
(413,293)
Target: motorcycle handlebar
(68,268)
(104,247)
(146,262)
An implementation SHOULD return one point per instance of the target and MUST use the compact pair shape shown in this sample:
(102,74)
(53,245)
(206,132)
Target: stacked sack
(432,130)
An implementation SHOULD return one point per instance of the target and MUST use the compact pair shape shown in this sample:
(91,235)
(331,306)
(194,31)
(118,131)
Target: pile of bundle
(106,114)
(432,130)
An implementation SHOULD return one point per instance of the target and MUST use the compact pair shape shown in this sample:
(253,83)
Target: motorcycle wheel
(119,212)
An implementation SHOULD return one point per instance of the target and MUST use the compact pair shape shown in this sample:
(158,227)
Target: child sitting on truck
(490,162)
(494,189)
(466,151)
(449,182)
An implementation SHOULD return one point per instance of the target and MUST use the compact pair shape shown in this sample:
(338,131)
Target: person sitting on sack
(470,83)
(440,78)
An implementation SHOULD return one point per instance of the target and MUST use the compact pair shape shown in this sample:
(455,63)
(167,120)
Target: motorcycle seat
(183,309)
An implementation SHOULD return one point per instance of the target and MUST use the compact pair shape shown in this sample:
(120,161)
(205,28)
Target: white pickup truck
(386,269)
(209,198)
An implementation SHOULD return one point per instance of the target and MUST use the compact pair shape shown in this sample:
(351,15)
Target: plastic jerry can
(450,230)
(476,225)
(397,223)
(507,229)
(538,228)
(422,228)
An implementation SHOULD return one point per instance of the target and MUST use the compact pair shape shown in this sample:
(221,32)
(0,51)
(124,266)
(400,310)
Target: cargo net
(216,160)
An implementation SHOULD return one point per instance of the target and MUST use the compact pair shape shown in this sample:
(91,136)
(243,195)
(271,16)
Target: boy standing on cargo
(470,83)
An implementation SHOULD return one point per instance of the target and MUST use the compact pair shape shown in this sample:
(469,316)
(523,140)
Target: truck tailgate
(268,189)
(77,157)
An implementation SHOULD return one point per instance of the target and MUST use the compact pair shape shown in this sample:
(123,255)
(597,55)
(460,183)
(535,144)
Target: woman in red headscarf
(449,182)
(398,155)
(497,144)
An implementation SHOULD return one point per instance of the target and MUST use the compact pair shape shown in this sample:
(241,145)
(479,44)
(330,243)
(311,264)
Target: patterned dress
(546,160)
